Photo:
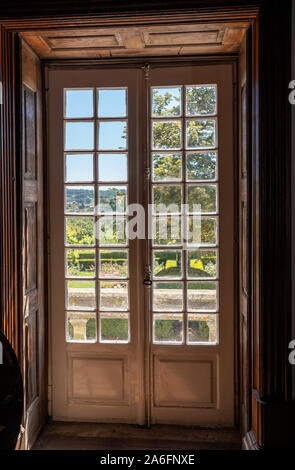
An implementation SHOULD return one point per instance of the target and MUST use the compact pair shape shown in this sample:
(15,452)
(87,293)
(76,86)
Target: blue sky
(80,104)
(111,167)
(111,103)
(79,135)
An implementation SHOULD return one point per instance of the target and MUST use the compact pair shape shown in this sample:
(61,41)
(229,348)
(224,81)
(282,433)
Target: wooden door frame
(272,410)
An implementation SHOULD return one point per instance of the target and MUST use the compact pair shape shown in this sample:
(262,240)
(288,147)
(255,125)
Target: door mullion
(147,242)
(184,220)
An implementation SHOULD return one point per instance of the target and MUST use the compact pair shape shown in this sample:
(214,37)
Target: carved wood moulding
(180,39)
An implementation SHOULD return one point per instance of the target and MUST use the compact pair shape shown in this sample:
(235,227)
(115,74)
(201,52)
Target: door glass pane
(168,328)
(167,198)
(166,166)
(112,231)
(79,199)
(112,199)
(113,264)
(114,295)
(203,197)
(114,327)
(112,103)
(202,264)
(200,133)
(167,264)
(79,136)
(81,326)
(79,103)
(167,296)
(112,167)
(166,135)
(166,102)
(167,230)
(202,296)
(200,100)
(201,166)
(81,294)
(79,231)
(202,329)
(112,135)
(202,230)
(79,167)
(80,263)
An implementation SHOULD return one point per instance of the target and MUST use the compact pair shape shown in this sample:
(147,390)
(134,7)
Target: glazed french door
(141,244)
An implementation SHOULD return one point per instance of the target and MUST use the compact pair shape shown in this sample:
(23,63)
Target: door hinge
(146,70)
(147,275)
(21,430)
(147,173)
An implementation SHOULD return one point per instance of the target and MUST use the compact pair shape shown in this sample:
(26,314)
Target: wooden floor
(91,436)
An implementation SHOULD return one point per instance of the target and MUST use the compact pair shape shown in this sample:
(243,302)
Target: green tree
(200,100)
(165,104)
(166,166)
(201,166)
(166,135)
(80,231)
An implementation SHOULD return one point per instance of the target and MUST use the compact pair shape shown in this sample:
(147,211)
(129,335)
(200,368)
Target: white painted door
(120,351)
(191,315)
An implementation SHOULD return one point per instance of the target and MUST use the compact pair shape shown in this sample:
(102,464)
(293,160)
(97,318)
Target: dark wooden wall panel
(30,231)
(33,213)
(244,235)
(68,8)
(32,370)
(22,316)
(30,163)
(272,411)
(9,184)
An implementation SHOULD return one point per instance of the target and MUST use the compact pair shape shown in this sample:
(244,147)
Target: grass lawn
(81,284)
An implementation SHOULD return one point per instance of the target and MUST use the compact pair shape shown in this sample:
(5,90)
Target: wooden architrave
(272,411)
